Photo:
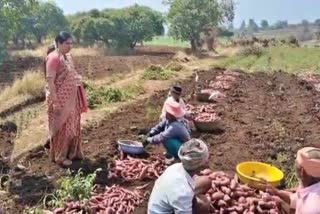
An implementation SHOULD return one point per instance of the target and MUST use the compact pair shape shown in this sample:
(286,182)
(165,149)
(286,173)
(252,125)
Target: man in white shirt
(176,191)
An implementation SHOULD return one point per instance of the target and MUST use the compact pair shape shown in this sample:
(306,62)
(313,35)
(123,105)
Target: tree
(88,31)
(11,12)
(135,24)
(305,23)
(280,25)
(252,26)
(47,18)
(243,26)
(189,18)
(264,24)
(75,27)
(317,22)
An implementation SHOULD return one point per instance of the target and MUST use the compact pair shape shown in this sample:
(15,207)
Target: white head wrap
(193,154)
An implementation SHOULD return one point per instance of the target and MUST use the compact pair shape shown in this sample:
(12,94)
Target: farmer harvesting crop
(307,198)
(175,94)
(172,131)
(176,191)
(66,102)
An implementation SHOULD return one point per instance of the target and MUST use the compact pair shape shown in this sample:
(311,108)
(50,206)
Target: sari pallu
(64,113)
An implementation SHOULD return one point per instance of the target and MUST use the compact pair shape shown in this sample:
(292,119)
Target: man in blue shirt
(172,131)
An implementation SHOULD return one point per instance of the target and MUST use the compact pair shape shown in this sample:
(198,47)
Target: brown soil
(264,115)
(97,67)
(93,66)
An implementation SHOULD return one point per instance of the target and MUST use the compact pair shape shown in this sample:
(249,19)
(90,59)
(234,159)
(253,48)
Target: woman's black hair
(60,38)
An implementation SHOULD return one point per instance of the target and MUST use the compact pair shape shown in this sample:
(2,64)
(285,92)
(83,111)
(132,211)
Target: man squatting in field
(176,191)
(172,131)
(307,198)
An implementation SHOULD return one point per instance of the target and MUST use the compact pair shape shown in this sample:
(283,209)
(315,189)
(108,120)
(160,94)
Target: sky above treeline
(272,10)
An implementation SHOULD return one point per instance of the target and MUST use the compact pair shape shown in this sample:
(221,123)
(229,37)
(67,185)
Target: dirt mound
(265,116)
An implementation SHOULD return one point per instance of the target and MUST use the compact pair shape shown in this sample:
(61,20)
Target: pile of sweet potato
(114,200)
(137,169)
(227,195)
(204,113)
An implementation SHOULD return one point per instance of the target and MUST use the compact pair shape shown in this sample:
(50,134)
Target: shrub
(157,72)
(101,95)
(31,84)
(174,66)
(254,50)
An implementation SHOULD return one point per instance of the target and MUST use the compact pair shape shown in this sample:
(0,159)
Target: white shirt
(173,192)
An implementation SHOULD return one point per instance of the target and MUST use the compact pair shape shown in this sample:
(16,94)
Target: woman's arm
(52,67)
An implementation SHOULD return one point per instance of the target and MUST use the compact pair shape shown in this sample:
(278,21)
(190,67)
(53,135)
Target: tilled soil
(94,67)
(264,115)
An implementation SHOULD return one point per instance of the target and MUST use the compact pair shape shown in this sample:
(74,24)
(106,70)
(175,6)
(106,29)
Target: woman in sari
(66,102)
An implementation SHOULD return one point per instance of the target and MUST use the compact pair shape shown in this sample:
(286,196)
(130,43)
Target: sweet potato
(226,190)
(233,184)
(227,198)
(206,172)
(213,176)
(260,210)
(266,197)
(242,200)
(222,203)
(273,211)
(266,205)
(252,208)
(217,196)
(239,209)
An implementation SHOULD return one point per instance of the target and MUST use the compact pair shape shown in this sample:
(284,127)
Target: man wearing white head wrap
(176,191)
(306,200)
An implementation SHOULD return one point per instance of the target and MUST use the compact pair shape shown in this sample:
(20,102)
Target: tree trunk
(193,43)
(23,43)
(39,39)
(16,41)
(133,45)
(210,43)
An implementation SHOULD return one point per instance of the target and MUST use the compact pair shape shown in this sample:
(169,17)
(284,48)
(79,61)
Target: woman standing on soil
(66,102)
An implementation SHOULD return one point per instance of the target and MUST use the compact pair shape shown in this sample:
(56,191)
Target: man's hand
(144,139)
(146,142)
(271,190)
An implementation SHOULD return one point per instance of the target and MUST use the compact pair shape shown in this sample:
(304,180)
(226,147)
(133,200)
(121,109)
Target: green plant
(4,181)
(292,179)
(35,211)
(157,72)
(102,95)
(98,96)
(254,50)
(72,188)
(153,112)
(133,90)
(174,66)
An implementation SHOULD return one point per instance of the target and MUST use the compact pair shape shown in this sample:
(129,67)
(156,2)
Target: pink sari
(64,113)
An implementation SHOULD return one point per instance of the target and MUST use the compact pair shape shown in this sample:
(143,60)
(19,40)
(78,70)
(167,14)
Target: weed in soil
(102,95)
(157,72)
(72,188)
(153,112)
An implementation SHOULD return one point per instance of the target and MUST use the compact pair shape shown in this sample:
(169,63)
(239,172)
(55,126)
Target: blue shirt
(166,130)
